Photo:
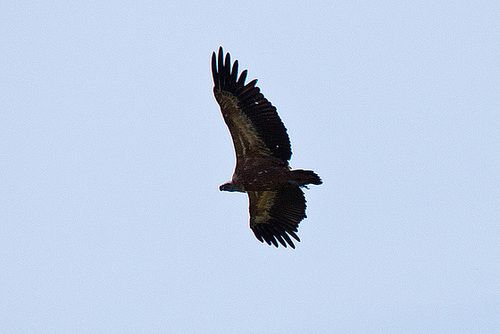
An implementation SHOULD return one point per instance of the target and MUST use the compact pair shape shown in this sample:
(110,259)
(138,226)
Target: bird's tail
(302,177)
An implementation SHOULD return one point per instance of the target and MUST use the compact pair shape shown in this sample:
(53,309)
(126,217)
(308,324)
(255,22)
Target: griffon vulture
(277,204)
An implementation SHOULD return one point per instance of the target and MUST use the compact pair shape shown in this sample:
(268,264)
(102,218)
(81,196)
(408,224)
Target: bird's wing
(254,124)
(275,215)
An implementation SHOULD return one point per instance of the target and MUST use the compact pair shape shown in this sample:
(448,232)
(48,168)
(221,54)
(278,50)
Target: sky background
(112,149)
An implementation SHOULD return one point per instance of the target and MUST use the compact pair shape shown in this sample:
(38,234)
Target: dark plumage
(277,204)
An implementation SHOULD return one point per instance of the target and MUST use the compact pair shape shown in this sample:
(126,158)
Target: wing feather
(252,120)
(275,215)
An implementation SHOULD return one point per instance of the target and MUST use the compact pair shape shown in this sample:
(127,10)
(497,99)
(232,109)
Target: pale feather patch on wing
(261,203)
(244,134)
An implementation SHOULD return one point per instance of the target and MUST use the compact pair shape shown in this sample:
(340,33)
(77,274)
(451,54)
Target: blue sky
(112,149)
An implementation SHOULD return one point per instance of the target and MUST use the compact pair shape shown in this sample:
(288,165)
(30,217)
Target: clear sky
(112,149)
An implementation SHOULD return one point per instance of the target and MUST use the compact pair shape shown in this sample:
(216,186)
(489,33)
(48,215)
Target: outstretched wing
(252,120)
(275,215)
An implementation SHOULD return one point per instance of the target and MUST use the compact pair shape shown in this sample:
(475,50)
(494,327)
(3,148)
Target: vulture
(277,203)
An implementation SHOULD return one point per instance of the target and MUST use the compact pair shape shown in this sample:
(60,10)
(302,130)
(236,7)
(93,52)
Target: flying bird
(277,203)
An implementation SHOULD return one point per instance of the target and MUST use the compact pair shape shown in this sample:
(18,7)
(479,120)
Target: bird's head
(228,187)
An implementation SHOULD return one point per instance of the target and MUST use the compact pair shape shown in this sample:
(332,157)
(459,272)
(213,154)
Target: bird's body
(262,146)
